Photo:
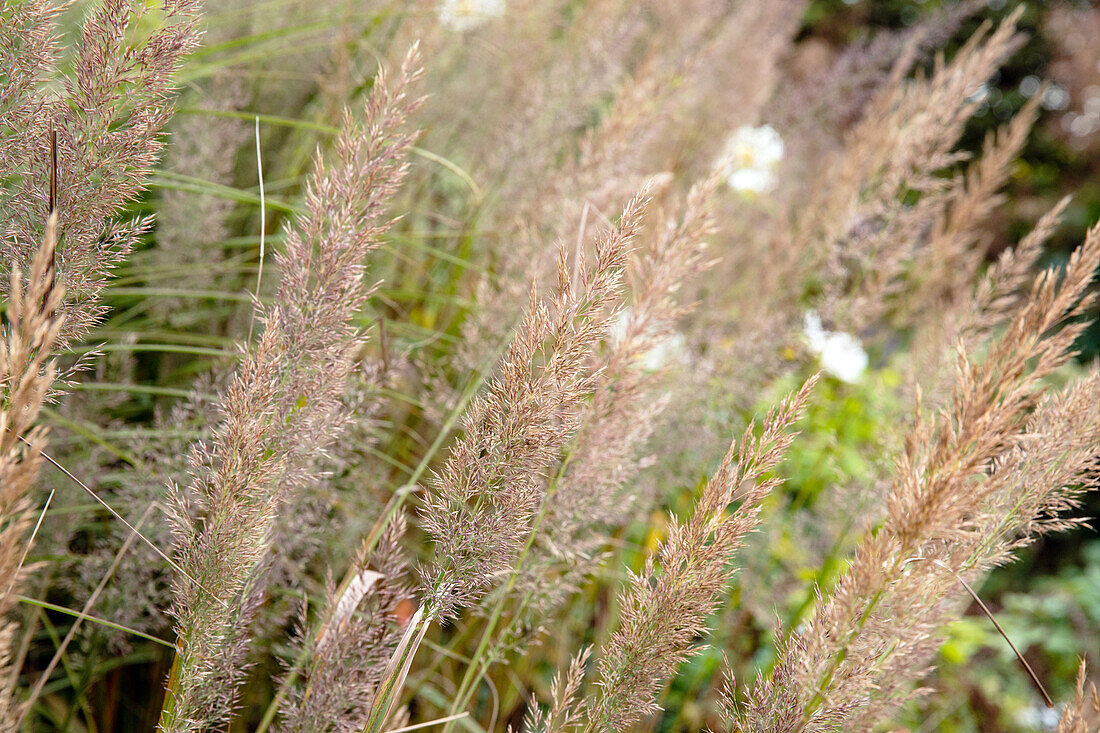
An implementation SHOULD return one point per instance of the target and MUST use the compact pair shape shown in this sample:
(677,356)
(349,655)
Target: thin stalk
(263,227)
(981,604)
(94,619)
(429,723)
(30,542)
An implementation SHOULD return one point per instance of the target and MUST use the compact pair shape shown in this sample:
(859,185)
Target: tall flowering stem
(27,371)
(282,408)
(665,607)
(99,128)
(485,497)
(484,500)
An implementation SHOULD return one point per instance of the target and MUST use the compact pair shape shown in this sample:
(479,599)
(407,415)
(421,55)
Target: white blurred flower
(840,353)
(750,159)
(1030,85)
(462,15)
(1055,97)
(667,349)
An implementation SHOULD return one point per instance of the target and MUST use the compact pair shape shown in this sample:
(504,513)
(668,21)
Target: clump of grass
(586,285)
